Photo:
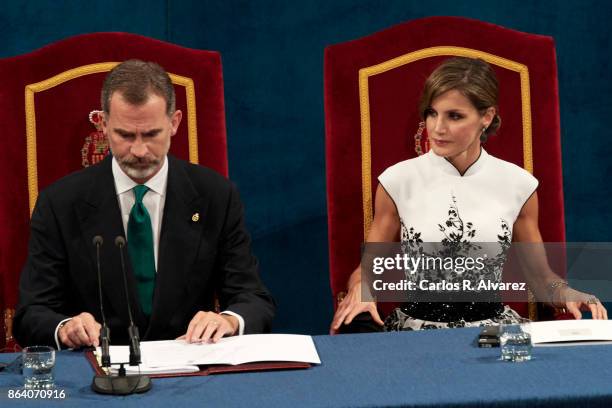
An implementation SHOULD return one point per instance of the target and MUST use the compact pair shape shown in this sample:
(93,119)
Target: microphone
(132,329)
(105,332)
(122,384)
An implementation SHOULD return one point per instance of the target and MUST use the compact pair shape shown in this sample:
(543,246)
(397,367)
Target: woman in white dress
(457,192)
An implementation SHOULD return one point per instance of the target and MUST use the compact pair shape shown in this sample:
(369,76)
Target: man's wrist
(233,321)
(239,319)
(59,327)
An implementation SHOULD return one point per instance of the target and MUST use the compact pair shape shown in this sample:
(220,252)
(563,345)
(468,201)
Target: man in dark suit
(186,238)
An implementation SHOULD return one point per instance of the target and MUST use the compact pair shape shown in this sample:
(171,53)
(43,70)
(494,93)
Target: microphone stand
(120,384)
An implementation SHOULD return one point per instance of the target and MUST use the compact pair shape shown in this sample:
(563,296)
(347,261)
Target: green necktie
(140,248)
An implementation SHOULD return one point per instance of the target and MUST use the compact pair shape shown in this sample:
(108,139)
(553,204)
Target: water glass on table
(515,341)
(38,363)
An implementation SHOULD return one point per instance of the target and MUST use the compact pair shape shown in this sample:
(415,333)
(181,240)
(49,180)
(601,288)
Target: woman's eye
(455,116)
(430,112)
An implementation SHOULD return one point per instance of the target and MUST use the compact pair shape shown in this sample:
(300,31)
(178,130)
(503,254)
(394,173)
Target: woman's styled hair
(473,78)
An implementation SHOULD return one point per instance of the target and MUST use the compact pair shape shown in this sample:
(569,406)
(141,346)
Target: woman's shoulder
(403,175)
(508,167)
(508,173)
(406,166)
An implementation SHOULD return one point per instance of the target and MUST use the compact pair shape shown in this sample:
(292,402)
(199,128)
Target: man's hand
(81,330)
(209,327)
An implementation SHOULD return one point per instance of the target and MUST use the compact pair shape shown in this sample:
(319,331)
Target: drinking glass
(38,363)
(515,341)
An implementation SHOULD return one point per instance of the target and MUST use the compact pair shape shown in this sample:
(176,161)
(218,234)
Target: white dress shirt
(154,201)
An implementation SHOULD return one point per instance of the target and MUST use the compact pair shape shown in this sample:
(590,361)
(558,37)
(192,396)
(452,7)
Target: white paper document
(178,356)
(570,332)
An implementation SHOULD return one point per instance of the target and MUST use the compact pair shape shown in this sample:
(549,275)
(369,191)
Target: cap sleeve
(525,185)
(528,185)
(390,181)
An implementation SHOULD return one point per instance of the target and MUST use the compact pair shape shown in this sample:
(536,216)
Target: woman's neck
(465,159)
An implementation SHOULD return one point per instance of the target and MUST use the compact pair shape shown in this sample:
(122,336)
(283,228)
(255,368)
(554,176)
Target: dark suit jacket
(196,259)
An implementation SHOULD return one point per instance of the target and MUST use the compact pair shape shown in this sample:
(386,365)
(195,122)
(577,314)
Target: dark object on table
(121,384)
(362,323)
(489,337)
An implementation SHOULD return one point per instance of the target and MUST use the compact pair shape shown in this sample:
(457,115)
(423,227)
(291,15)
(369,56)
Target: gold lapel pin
(195,217)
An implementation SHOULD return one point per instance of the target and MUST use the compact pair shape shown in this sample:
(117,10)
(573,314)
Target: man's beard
(139,168)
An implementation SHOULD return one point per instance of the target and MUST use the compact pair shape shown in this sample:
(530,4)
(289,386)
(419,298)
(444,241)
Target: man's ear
(175,121)
(104,124)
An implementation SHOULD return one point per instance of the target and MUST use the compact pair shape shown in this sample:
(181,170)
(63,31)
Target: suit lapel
(99,214)
(181,231)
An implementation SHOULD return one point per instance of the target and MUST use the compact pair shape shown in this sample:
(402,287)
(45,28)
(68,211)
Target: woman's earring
(417,139)
(483,135)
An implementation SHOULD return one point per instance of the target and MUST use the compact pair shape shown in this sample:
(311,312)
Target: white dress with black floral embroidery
(436,203)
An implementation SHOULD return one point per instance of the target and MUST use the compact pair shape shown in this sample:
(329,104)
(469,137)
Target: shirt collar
(447,167)
(124,183)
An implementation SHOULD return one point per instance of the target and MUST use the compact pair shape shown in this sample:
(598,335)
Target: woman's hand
(540,276)
(385,228)
(351,306)
(575,301)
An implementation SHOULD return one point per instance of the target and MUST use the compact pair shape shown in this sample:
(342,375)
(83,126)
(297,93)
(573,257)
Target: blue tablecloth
(430,368)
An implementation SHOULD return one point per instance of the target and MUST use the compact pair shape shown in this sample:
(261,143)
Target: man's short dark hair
(136,79)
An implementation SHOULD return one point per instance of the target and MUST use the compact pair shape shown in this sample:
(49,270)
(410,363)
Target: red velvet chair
(45,99)
(372,86)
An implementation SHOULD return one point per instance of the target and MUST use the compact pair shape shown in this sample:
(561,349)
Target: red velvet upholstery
(528,85)
(59,122)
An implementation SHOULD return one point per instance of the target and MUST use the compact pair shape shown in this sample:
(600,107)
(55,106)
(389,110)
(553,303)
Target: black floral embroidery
(409,236)
(458,236)
(458,239)
(454,229)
